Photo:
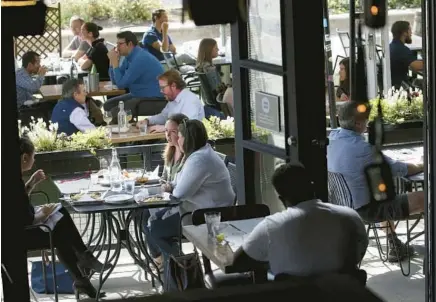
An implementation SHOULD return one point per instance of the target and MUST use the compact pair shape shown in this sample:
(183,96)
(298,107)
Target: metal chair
(216,279)
(340,194)
(149,106)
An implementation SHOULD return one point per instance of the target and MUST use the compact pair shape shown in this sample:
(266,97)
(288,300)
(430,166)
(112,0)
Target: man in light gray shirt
(77,44)
(310,237)
(180,100)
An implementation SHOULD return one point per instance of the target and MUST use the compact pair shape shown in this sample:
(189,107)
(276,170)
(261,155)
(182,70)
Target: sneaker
(398,250)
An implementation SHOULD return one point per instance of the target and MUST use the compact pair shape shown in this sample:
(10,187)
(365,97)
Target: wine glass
(129,115)
(107,116)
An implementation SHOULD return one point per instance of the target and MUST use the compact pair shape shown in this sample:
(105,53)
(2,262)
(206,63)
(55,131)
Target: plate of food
(149,199)
(85,198)
(140,177)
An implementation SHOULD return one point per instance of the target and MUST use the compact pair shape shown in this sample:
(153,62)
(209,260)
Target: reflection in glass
(264,31)
(271,84)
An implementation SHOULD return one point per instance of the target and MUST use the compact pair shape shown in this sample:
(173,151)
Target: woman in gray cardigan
(203,182)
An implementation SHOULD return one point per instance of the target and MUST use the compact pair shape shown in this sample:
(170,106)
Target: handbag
(43,285)
(183,273)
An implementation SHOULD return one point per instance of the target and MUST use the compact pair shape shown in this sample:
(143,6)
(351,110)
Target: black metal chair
(187,71)
(340,194)
(216,279)
(149,106)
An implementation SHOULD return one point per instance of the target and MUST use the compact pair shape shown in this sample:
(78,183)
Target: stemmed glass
(129,115)
(107,116)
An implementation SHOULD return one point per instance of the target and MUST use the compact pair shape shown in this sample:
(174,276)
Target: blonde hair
(205,52)
(169,151)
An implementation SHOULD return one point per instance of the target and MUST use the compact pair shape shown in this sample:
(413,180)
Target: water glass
(94,178)
(143,129)
(212,220)
(129,186)
(116,185)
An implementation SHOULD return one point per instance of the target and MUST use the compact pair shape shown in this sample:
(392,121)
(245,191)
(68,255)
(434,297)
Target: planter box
(407,132)
(224,145)
(64,162)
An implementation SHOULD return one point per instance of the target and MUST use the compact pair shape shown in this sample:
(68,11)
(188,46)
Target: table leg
(112,226)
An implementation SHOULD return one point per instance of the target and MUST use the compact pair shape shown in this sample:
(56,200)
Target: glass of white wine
(107,116)
(129,115)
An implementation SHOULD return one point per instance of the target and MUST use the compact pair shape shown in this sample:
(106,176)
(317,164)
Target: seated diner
(180,100)
(71,113)
(202,182)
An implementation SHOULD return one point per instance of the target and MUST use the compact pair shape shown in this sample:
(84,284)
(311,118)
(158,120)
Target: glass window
(264,31)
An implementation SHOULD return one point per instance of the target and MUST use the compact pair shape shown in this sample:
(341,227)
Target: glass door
(279,93)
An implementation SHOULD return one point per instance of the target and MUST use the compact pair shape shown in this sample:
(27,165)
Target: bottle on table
(115,173)
(122,118)
(74,72)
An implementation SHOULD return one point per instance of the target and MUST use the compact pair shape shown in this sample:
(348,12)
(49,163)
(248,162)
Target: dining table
(222,254)
(54,92)
(132,135)
(111,226)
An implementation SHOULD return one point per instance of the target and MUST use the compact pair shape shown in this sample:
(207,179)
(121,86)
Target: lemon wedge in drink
(220,238)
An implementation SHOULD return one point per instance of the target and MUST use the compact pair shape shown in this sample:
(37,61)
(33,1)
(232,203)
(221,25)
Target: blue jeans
(160,234)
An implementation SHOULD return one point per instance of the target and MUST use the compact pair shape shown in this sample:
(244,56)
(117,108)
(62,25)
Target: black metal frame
(299,97)
(429,31)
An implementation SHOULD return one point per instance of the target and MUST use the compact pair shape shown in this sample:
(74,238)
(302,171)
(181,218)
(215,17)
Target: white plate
(115,129)
(117,199)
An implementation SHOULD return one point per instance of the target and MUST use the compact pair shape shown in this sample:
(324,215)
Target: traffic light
(375,13)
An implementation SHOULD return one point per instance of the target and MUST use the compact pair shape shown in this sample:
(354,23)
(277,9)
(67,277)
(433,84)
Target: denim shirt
(348,153)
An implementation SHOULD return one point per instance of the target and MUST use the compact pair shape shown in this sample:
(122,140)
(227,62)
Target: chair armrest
(38,225)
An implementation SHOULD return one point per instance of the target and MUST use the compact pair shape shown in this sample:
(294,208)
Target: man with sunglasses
(138,73)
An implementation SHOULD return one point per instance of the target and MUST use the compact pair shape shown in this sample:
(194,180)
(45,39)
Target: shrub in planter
(397,108)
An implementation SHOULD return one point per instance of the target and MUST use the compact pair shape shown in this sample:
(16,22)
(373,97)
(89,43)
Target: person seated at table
(402,58)
(138,73)
(207,51)
(349,154)
(343,91)
(180,100)
(29,78)
(173,155)
(71,113)
(157,40)
(69,245)
(308,238)
(76,46)
(203,182)
(97,54)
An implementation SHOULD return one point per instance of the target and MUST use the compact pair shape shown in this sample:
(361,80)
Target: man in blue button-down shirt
(29,78)
(138,72)
(348,154)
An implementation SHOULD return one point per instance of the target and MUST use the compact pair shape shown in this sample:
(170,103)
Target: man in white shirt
(310,237)
(180,100)
(71,113)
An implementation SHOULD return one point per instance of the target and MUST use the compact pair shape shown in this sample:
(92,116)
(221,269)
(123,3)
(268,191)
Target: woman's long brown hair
(169,151)
(205,52)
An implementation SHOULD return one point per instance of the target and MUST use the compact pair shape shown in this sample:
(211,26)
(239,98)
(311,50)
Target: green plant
(135,11)
(45,138)
(123,10)
(342,6)
(219,129)
(398,109)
